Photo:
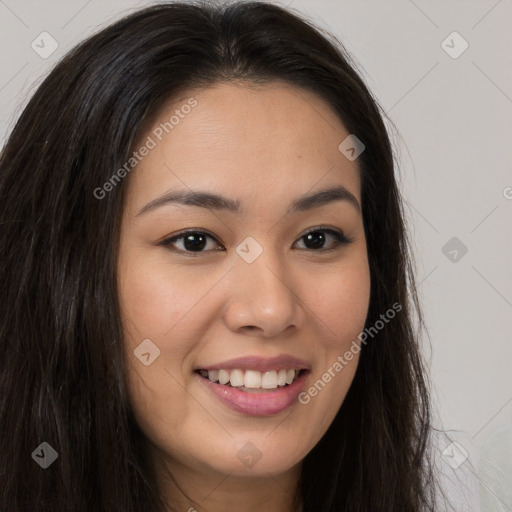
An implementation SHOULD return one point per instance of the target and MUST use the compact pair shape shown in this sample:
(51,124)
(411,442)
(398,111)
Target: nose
(263,301)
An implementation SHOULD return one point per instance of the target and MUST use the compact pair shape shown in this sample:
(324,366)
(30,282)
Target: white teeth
(223,377)
(269,380)
(236,378)
(252,379)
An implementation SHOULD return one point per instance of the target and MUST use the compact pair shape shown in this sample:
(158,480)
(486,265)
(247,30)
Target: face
(237,306)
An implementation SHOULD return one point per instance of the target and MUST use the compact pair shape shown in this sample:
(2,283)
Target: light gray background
(454,123)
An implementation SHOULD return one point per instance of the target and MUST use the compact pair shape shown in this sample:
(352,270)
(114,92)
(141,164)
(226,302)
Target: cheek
(340,304)
(150,310)
(340,301)
(155,298)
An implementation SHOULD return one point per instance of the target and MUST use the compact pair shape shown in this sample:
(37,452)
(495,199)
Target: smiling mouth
(253,381)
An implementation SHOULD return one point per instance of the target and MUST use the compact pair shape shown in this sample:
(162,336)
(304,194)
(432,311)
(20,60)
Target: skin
(264,146)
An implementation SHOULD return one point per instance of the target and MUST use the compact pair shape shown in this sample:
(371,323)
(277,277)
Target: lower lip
(257,404)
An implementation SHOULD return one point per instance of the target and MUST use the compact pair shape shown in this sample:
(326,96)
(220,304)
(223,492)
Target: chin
(256,455)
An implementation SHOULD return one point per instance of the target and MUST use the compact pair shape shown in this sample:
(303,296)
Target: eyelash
(340,240)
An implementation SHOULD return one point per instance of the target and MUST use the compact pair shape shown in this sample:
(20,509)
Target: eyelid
(167,241)
(322,227)
(187,231)
(339,234)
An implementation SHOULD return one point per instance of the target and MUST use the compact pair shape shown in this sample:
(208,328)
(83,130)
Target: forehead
(244,140)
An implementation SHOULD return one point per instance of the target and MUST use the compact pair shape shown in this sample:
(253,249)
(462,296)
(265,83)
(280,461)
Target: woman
(208,292)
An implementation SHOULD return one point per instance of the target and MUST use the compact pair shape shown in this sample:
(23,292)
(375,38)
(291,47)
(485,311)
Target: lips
(260,364)
(254,385)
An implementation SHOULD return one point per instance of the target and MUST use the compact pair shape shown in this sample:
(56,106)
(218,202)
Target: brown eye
(316,239)
(192,242)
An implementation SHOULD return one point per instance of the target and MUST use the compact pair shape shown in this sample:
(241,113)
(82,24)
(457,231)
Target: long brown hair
(62,366)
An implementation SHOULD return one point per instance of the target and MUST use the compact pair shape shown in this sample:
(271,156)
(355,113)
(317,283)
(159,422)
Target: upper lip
(259,363)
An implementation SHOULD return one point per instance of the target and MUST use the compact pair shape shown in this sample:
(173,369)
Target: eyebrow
(216,202)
